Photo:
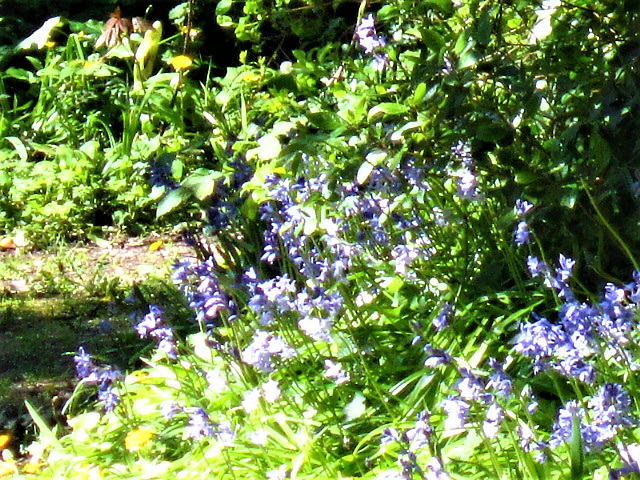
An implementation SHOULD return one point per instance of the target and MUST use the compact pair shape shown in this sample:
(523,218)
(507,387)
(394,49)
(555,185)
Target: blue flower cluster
(606,413)
(101,376)
(371,42)
(152,325)
(585,332)
(200,286)
(412,442)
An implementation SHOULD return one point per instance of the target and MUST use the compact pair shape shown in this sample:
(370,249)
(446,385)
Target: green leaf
(418,95)
(326,120)
(432,39)
(575,449)
(40,37)
(46,434)
(483,29)
(491,132)
(19,147)
(445,6)
(21,74)
(364,171)
(202,183)
(223,6)
(387,109)
(172,201)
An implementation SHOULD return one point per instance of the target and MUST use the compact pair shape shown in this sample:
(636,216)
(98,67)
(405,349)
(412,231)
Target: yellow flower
(50,44)
(89,472)
(31,467)
(192,32)
(5,438)
(181,63)
(138,438)
(7,468)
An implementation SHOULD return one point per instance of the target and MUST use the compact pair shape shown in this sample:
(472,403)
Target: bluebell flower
(225,433)
(367,36)
(563,426)
(566,268)
(634,288)
(109,397)
(468,185)
(152,325)
(629,470)
(608,413)
(493,419)
(536,266)
(539,340)
(529,443)
(199,284)
(435,357)
(335,372)
(150,322)
(434,465)
(389,435)
(499,380)
(263,347)
(521,234)
(84,365)
(159,172)
(199,426)
(523,207)
(271,391)
(419,436)
(471,387)
(316,328)
(462,151)
(409,464)
(168,409)
(441,321)
(457,411)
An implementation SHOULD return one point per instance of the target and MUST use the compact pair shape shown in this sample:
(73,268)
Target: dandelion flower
(181,63)
(31,467)
(7,468)
(138,438)
(5,439)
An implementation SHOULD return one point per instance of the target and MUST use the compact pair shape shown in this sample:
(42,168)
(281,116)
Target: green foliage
(407,154)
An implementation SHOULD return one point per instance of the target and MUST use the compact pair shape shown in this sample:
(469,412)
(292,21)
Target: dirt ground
(51,302)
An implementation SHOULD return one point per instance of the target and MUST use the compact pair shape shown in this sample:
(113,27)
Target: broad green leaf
(483,29)
(21,74)
(40,37)
(387,109)
(418,95)
(269,147)
(432,39)
(364,171)
(202,183)
(172,201)
(223,6)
